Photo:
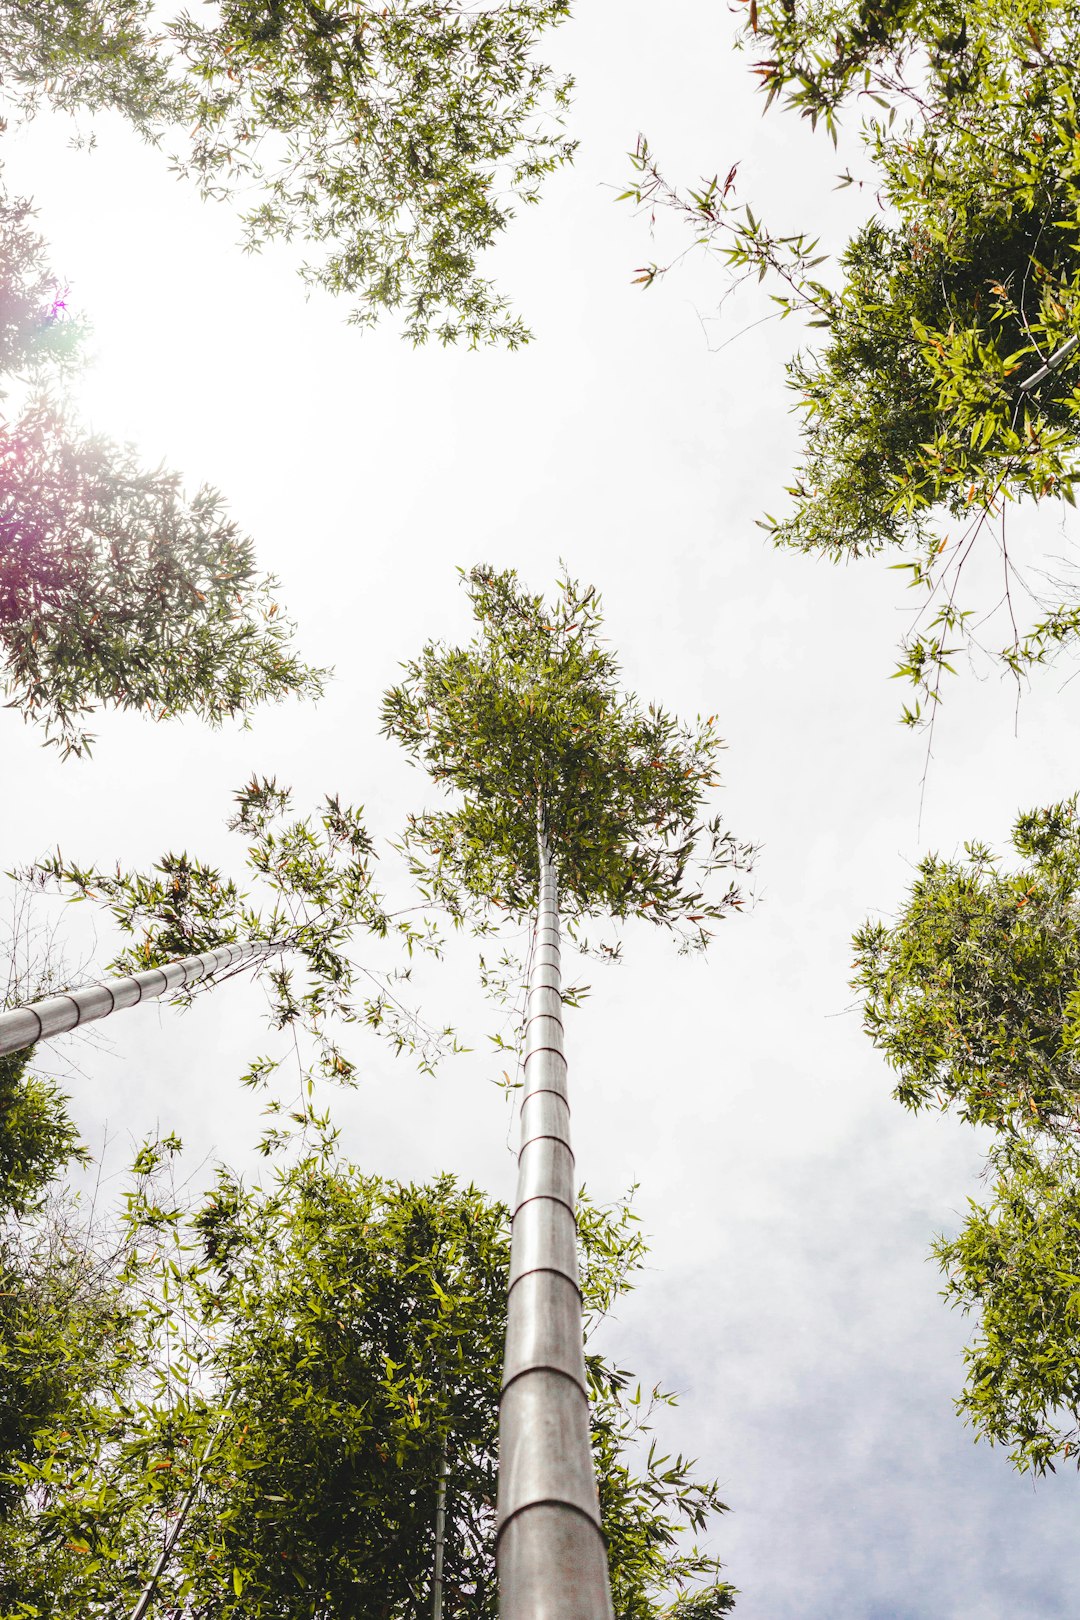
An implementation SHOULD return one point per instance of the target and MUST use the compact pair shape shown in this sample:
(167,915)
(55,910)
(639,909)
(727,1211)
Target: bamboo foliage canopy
(526,726)
(938,382)
(334,1329)
(972,993)
(117,590)
(399,139)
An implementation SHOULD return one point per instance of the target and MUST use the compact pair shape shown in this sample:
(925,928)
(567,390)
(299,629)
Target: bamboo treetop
(527,726)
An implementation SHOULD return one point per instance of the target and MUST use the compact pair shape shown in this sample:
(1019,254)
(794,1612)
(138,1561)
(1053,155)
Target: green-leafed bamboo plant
(256,1393)
(973,995)
(569,801)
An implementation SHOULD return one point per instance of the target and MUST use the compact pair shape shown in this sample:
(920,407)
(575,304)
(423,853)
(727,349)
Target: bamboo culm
(550,1553)
(440,1536)
(38,1020)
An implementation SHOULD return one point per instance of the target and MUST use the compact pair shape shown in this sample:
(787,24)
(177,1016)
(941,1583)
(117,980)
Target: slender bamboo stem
(440,1536)
(39,1020)
(550,1553)
(150,1589)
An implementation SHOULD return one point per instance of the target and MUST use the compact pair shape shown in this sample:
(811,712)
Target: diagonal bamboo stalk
(1052,364)
(39,1020)
(550,1552)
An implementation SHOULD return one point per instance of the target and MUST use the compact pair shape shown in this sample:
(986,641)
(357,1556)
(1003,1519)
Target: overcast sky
(790,1201)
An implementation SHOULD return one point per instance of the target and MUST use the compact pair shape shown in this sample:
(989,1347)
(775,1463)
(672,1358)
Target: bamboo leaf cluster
(526,726)
(116,589)
(1016,1260)
(973,994)
(920,417)
(311,887)
(398,139)
(88,55)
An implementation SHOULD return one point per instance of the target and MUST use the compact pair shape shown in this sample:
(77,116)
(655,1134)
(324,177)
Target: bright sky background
(790,1201)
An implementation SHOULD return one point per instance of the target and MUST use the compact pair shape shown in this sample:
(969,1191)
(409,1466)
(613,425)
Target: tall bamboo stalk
(38,1020)
(550,1552)
(440,1535)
